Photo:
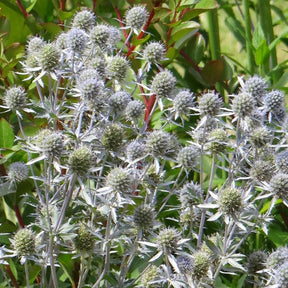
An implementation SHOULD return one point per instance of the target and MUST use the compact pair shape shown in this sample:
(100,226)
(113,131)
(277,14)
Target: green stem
(214,41)
(26,274)
(248,36)
(264,9)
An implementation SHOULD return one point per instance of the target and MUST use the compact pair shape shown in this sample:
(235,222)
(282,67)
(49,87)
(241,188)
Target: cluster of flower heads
(99,152)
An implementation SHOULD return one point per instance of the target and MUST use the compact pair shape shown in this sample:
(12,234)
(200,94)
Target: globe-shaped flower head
(49,57)
(154,52)
(209,104)
(18,172)
(84,20)
(24,242)
(136,17)
(15,98)
(230,201)
(76,40)
(80,161)
(163,84)
(243,104)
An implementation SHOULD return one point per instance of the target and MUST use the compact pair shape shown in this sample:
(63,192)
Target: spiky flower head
(34,45)
(91,89)
(120,181)
(243,104)
(84,240)
(274,100)
(201,264)
(119,101)
(117,68)
(262,170)
(188,157)
(282,161)
(112,138)
(135,150)
(134,110)
(77,40)
(256,86)
(190,194)
(256,261)
(201,133)
(217,141)
(209,104)
(167,240)
(230,201)
(159,143)
(277,258)
(88,73)
(98,63)
(144,216)
(185,264)
(50,143)
(115,36)
(183,102)
(149,276)
(15,98)
(154,52)
(152,178)
(61,40)
(279,185)
(136,17)
(100,35)
(18,172)
(281,275)
(49,57)
(84,20)
(80,161)
(163,83)
(259,136)
(24,242)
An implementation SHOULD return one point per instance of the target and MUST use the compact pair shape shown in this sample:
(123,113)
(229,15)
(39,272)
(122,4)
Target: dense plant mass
(118,171)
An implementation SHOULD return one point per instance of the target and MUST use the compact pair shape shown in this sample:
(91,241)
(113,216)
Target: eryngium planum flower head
(183,102)
(256,86)
(112,138)
(80,161)
(18,172)
(282,161)
(15,98)
(135,150)
(84,20)
(136,17)
(144,216)
(120,181)
(230,201)
(279,185)
(100,36)
(201,264)
(91,89)
(185,264)
(34,45)
(24,242)
(274,100)
(117,68)
(154,52)
(119,101)
(167,240)
(260,136)
(188,157)
(163,84)
(159,143)
(190,194)
(217,141)
(84,240)
(281,275)
(243,104)
(256,261)
(209,104)
(134,110)
(262,170)
(49,57)
(77,40)
(277,258)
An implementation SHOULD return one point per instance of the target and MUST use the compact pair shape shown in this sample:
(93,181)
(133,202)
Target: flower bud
(143,216)
(112,138)
(120,181)
(117,68)
(84,20)
(77,40)
(209,104)
(80,161)
(230,201)
(136,17)
(167,240)
(243,104)
(256,261)
(279,185)
(201,264)
(85,240)
(134,110)
(18,172)
(49,57)
(15,98)
(154,52)
(163,83)
(187,157)
(24,242)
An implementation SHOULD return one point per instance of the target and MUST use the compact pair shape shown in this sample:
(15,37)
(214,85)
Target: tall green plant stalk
(264,9)
(248,36)
(214,40)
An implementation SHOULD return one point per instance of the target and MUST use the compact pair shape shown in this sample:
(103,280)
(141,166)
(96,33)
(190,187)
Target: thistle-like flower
(260,136)
(201,264)
(230,201)
(274,100)
(243,104)
(262,170)
(15,98)
(281,275)
(84,20)
(136,17)
(77,40)
(134,110)
(279,185)
(185,264)
(119,101)
(154,52)
(209,104)
(143,217)
(256,261)
(135,150)
(217,141)
(112,138)
(188,157)
(117,68)
(163,84)
(84,240)
(167,240)
(49,57)
(80,161)
(120,181)
(282,161)
(100,36)
(18,172)
(277,258)
(182,103)
(24,242)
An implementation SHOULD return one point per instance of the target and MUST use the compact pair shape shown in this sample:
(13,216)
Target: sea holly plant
(131,179)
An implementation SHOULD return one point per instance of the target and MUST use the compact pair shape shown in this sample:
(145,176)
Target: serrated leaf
(6,134)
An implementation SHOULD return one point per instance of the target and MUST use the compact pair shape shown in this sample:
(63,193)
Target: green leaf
(66,263)
(277,235)
(6,134)
(262,53)
(29,4)
(6,188)
(180,32)
(33,273)
(258,37)
(161,13)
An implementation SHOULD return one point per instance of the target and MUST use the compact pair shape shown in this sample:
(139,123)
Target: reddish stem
(283,213)
(62,4)
(19,216)
(149,108)
(196,67)
(21,7)
(94,5)
(13,280)
(122,25)
(152,13)
(172,22)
